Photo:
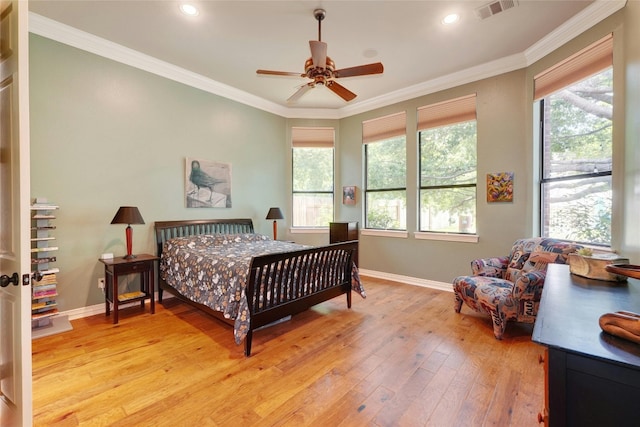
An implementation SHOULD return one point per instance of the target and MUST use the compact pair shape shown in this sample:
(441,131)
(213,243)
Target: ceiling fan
(321,69)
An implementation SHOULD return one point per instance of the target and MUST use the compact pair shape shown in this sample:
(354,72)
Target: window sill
(309,230)
(384,233)
(447,237)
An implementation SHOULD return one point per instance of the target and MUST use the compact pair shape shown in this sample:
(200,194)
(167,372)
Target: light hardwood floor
(400,357)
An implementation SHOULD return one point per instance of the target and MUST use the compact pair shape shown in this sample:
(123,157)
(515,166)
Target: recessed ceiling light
(451,19)
(189,9)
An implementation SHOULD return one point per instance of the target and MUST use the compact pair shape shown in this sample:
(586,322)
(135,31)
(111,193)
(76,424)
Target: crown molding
(587,18)
(71,36)
(594,13)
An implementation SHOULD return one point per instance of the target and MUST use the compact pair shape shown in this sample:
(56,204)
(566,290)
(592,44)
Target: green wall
(506,143)
(105,134)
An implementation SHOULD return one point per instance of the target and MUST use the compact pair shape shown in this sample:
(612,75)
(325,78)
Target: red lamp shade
(128,215)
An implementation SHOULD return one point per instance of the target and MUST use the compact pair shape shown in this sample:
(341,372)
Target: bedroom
(102,159)
(107,150)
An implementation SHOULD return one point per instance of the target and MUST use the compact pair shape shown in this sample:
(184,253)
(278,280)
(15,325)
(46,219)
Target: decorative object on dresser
(591,265)
(509,287)
(592,378)
(627,270)
(142,264)
(275,214)
(128,215)
(265,280)
(623,324)
(344,232)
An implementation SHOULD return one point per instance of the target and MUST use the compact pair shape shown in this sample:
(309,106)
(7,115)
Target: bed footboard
(291,282)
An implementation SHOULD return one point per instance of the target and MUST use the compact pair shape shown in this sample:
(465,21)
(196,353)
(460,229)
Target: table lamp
(128,215)
(275,214)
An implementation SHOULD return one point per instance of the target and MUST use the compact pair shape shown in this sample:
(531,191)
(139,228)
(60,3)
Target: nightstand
(142,264)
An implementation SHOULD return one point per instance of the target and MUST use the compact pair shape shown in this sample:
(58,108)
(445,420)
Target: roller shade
(448,112)
(587,62)
(312,137)
(384,127)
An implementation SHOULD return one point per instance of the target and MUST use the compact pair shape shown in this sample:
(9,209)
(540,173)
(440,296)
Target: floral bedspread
(213,270)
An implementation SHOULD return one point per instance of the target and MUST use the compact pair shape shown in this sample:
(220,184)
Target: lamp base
(130,256)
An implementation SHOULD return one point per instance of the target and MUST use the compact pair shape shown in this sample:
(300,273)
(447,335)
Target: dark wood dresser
(592,378)
(344,232)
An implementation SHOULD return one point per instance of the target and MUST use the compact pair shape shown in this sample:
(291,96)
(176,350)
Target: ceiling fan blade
(303,89)
(341,91)
(360,70)
(318,53)
(279,73)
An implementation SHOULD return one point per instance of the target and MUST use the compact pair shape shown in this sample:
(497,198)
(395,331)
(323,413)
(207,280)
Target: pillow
(543,256)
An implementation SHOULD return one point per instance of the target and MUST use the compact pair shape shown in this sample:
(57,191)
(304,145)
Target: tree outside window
(313,171)
(576,191)
(386,177)
(448,178)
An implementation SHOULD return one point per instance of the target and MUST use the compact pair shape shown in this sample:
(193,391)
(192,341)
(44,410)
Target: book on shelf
(43,227)
(44,249)
(41,216)
(43,260)
(49,279)
(43,206)
(130,295)
(46,294)
(50,271)
(43,287)
(43,305)
(42,239)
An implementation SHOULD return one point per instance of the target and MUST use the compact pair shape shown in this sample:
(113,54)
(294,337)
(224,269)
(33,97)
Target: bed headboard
(166,230)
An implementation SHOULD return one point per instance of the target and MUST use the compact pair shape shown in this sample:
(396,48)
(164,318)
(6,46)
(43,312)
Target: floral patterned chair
(509,288)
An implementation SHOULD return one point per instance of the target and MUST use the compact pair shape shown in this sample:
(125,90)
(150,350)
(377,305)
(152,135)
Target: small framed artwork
(349,195)
(207,184)
(500,187)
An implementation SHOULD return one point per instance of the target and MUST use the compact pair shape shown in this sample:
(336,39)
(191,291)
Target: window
(577,146)
(448,176)
(385,172)
(312,176)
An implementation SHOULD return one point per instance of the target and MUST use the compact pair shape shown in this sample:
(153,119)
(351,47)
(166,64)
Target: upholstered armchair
(509,288)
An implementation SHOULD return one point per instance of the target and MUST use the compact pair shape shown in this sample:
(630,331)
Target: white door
(15,300)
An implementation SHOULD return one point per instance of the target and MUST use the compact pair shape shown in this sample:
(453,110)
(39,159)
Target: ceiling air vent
(490,9)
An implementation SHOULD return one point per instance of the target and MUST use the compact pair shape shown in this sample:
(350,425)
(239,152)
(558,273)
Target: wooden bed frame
(328,268)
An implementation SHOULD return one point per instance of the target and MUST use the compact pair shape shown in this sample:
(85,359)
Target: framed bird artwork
(207,184)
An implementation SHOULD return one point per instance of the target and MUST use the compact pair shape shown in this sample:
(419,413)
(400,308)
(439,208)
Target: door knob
(6,280)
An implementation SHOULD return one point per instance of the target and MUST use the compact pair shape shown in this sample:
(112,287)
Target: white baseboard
(415,281)
(92,310)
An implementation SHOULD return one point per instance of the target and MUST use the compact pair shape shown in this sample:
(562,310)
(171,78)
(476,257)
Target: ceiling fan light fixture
(322,70)
(189,9)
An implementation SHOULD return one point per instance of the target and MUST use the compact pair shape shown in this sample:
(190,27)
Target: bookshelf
(44,286)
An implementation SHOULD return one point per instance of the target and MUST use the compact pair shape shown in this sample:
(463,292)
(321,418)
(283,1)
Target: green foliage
(312,186)
(313,169)
(386,169)
(387,164)
(578,142)
(386,210)
(448,157)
